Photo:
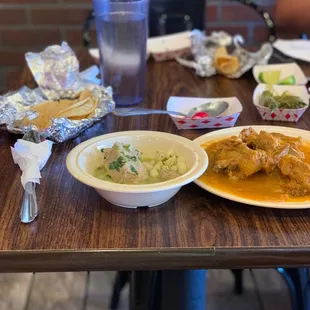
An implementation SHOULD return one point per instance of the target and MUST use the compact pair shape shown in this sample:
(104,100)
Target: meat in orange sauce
(262,166)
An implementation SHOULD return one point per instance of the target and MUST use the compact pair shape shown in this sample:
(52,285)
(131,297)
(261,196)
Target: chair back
(265,16)
(171,16)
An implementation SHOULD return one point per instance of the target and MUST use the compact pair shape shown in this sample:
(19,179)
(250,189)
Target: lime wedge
(270,77)
(290,80)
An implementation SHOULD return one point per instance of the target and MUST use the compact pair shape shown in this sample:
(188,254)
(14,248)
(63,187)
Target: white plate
(298,49)
(286,70)
(225,133)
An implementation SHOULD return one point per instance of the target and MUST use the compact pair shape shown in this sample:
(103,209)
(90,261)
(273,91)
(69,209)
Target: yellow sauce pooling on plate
(260,187)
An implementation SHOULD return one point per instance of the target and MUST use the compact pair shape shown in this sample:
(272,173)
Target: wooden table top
(78,230)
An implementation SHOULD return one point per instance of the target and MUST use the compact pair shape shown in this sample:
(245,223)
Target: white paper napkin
(298,49)
(31,158)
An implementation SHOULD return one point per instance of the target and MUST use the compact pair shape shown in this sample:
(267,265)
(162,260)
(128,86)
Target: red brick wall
(234,17)
(30,25)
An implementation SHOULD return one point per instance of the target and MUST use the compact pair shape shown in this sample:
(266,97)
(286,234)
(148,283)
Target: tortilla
(220,51)
(76,109)
(46,110)
(85,94)
(75,105)
(79,109)
(224,63)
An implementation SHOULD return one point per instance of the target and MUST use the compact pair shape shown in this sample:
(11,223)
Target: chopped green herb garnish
(134,158)
(117,164)
(126,147)
(102,150)
(134,170)
(286,100)
(116,147)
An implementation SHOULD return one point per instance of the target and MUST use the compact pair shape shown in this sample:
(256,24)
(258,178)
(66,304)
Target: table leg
(166,290)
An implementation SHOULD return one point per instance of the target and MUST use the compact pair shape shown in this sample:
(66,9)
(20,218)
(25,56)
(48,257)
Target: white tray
(185,104)
(285,115)
(163,47)
(286,70)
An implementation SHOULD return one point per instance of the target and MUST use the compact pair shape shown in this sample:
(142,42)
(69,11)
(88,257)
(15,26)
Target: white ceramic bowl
(86,157)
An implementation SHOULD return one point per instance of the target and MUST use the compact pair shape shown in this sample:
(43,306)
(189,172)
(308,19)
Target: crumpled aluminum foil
(203,48)
(56,70)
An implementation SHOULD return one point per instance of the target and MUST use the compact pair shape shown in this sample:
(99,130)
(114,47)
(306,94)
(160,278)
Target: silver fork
(29,207)
(143,111)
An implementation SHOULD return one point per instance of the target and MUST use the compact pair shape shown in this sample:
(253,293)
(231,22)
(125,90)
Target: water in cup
(122,43)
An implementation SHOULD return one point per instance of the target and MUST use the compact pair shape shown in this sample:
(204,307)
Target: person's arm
(293,16)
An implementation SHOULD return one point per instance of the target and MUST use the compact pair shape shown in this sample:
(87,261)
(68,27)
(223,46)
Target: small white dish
(226,133)
(170,46)
(163,47)
(285,115)
(286,70)
(94,53)
(86,157)
(185,104)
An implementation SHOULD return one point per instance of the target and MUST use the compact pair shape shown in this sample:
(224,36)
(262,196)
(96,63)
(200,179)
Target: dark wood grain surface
(78,230)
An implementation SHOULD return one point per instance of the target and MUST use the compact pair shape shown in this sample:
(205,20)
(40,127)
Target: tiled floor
(264,289)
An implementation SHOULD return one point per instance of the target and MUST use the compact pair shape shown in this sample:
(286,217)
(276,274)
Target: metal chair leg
(121,279)
(238,281)
(183,290)
(145,288)
(297,281)
(167,290)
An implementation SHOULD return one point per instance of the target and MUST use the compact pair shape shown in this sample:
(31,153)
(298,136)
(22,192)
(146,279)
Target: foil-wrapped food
(211,57)
(64,104)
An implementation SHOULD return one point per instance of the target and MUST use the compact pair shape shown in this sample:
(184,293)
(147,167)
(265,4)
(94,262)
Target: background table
(78,230)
